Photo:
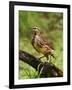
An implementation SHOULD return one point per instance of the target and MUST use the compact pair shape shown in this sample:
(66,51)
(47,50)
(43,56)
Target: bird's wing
(50,44)
(47,42)
(43,47)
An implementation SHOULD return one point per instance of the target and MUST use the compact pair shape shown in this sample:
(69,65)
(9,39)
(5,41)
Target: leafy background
(51,26)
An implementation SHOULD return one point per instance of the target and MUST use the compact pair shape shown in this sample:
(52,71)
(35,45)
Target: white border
(16,44)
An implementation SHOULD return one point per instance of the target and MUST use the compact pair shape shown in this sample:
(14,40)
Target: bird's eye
(34,28)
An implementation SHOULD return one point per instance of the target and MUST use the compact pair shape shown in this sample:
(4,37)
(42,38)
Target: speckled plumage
(41,45)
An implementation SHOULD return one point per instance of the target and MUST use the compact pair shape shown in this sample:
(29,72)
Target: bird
(41,45)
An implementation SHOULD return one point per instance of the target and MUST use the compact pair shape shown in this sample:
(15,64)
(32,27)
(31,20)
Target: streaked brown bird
(41,45)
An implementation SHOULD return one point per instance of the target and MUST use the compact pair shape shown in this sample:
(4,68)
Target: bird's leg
(48,58)
(41,57)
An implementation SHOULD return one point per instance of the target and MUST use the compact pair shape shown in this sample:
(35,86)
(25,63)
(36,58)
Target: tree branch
(45,69)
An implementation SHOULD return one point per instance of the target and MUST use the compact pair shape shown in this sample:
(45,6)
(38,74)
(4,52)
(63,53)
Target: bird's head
(36,30)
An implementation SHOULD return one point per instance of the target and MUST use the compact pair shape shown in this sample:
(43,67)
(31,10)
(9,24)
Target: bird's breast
(35,43)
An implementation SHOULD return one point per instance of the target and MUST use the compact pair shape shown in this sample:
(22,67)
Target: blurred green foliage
(51,25)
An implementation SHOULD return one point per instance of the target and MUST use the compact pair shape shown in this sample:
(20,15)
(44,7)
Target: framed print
(39,44)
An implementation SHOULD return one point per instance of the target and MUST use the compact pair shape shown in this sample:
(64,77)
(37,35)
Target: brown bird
(41,45)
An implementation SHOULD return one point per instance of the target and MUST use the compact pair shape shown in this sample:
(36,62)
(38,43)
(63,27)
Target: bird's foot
(41,57)
(49,61)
